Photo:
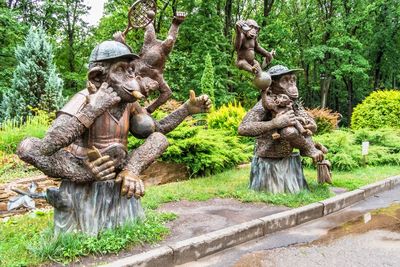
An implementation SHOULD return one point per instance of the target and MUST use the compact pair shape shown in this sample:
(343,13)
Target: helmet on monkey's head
(111,50)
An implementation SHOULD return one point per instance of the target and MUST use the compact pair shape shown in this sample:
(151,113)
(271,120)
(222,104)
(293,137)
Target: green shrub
(227,117)
(12,132)
(345,148)
(207,151)
(326,119)
(380,109)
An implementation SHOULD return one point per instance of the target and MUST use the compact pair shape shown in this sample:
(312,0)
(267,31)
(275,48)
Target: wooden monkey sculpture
(246,45)
(153,55)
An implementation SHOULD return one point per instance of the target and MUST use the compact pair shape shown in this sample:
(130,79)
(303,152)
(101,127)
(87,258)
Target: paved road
(366,234)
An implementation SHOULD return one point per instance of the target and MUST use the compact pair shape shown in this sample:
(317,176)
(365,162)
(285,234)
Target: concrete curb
(207,244)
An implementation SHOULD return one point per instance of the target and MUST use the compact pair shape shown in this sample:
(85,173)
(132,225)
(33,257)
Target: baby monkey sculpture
(246,46)
(279,105)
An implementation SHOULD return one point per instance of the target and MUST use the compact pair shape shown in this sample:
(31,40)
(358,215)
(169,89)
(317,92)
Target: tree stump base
(278,175)
(92,207)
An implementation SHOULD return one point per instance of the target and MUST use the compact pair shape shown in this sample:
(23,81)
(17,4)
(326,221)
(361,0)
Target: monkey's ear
(138,78)
(95,75)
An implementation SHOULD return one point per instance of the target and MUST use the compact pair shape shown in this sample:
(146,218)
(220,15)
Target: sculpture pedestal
(277,175)
(91,208)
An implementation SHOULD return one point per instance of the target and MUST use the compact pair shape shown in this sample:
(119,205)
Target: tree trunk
(267,9)
(325,85)
(228,18)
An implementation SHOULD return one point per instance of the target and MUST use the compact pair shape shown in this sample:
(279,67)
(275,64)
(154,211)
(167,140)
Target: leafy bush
(205,151)
(326,119)
(12,132)
(345,148)
(228,117)
(380,109)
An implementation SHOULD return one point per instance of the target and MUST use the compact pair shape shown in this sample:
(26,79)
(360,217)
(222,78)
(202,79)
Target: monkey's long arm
(263,52)
(142,157)
(253,124)
(168,43)
(238,40)
(65,130)
(170,122)
(150,34)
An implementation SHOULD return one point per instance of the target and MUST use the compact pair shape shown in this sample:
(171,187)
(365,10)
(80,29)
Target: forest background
(347,48)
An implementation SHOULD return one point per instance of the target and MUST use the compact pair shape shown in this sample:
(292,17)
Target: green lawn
(234,184)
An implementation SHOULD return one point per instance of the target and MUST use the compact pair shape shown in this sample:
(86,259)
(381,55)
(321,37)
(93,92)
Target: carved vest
(106,131)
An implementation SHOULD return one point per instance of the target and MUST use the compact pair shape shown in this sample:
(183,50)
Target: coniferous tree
(35,83)
(207,81)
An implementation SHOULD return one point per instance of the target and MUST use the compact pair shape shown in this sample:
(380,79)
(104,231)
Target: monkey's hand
(273,53)
(131,186)
(239,25)
(179,18)
(200,104)
(285,120)
(102,168)
(103,99)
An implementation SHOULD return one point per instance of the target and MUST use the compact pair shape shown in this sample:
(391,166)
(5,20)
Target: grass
(28,240)
(234,184)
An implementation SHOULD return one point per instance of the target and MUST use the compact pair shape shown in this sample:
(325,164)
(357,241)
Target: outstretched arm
(168,43)
(194,105)
(149,34)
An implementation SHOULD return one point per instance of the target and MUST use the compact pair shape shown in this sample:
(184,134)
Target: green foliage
(380,109)
(207,80)
(228,117)
(29,241)
(345,148)
(326,119)
(11,32)
(205,151)
(13,131)
(35,83)
(234,184)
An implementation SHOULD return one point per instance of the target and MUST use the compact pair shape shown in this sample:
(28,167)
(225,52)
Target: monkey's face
(252,33)
(122,79)
(147,85)
(286,85)
(283,100)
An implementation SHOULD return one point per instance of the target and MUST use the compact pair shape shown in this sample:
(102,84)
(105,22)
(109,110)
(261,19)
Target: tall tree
(36,83)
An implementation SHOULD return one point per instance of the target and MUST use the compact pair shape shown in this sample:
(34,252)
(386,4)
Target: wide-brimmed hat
(279,70)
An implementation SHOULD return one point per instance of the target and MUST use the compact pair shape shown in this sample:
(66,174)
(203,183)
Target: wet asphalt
(365,234)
